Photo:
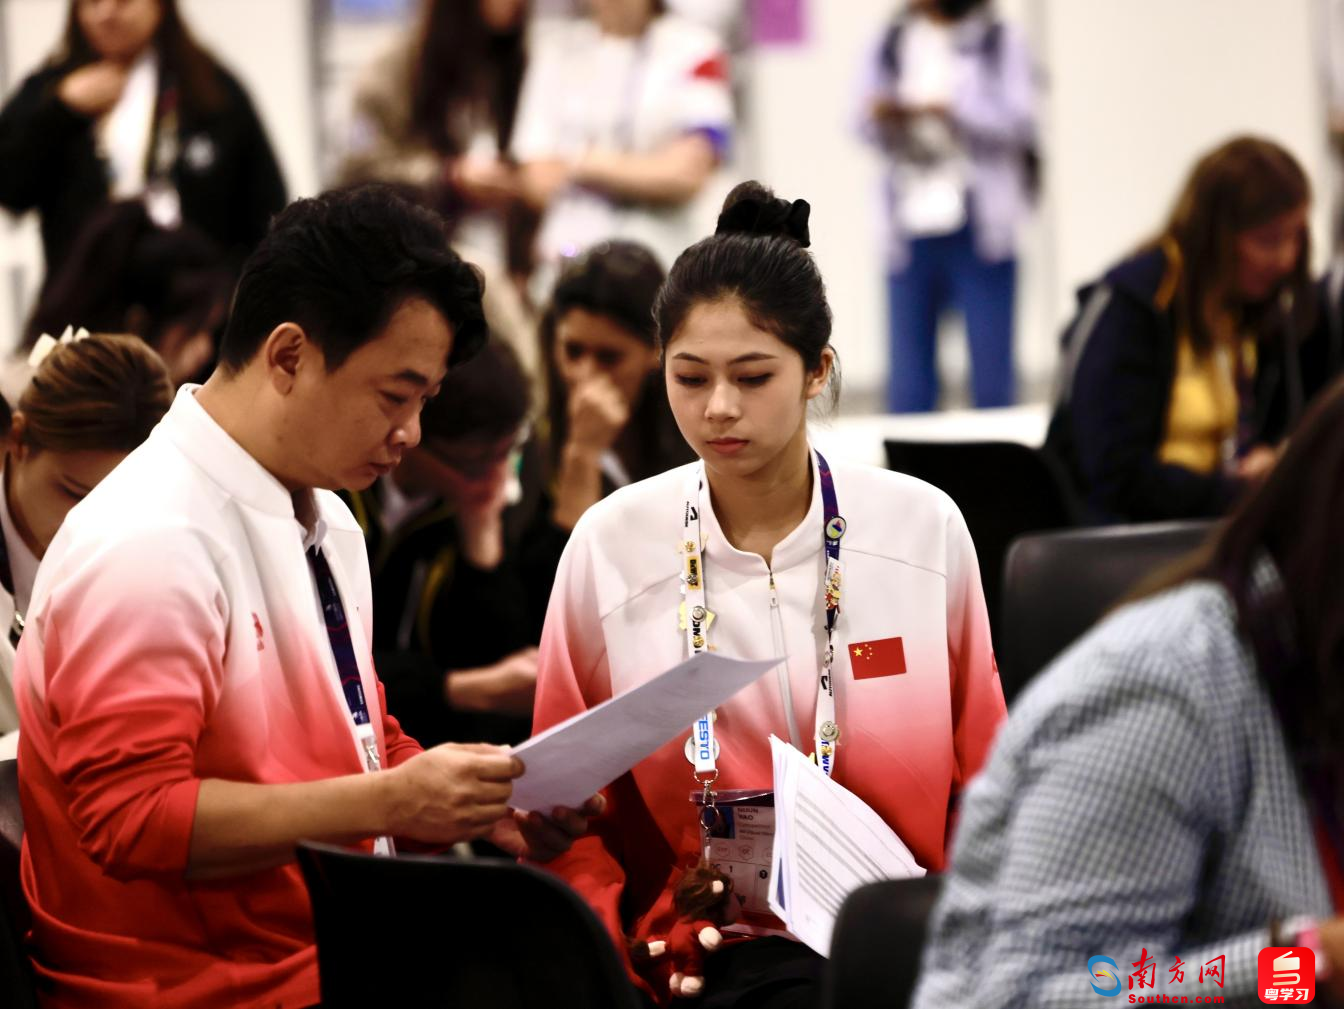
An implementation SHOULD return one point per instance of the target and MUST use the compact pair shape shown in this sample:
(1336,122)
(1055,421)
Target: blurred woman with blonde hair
(1181,370)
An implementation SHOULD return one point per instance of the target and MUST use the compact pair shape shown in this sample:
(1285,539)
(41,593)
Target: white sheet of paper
(828,843)
(582,755)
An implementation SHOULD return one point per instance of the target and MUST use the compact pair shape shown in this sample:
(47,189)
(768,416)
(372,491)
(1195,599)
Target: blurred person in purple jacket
(950,98)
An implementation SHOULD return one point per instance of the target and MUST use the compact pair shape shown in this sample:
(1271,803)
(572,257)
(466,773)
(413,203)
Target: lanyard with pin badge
(695,619)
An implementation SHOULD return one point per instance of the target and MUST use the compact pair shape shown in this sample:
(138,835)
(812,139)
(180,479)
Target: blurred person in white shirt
(624,117)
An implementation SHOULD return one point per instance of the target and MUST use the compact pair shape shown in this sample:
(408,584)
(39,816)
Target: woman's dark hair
(616,280)
(340,264)
(489,397)
(123,265)
(1294,623)
(460,64)
(182,60)
(103,393)
(619,281)
(1243,184)
(758,257)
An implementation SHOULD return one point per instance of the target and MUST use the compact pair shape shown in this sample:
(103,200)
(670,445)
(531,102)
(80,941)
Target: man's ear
(283,354)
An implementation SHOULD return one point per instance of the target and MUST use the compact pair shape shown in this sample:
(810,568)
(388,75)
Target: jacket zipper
(782,670)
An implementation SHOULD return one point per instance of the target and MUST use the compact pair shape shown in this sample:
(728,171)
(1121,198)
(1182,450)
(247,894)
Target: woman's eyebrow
(740,359)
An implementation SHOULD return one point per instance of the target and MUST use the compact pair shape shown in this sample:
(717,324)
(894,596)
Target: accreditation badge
(741,843)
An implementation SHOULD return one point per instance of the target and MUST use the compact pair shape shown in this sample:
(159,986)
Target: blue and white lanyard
(696,618)
(347,669)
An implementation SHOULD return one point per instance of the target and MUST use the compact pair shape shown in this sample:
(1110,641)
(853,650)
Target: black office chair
(16,973)
(1057,585)
(877,944)
(1004,489)
(438,931)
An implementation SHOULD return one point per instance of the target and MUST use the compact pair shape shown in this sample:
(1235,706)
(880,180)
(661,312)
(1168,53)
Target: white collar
(312,538)
(200,438)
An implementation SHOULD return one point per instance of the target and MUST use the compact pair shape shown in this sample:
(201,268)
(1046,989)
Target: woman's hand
(540,181)
(1331,935)
(542,838)
(480,520)
(1255,465)
(505,688)
(485,182)
(93,89)
(598,414)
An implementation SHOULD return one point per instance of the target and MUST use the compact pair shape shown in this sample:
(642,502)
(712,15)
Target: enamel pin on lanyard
(695,619)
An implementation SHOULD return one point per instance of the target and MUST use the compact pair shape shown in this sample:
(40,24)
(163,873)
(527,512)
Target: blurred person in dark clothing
(125,274)
(130,106)
(459,603)
(1182,371)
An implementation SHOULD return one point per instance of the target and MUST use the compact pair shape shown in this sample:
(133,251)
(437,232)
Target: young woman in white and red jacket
(904,715)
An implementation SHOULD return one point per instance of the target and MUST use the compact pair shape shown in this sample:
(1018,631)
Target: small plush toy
(704,902)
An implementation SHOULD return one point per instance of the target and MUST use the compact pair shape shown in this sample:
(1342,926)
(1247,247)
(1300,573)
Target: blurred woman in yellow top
(1181,372)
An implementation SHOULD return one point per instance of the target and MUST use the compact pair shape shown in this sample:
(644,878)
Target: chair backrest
(1057,585)
(16,973)
(439,931)
(1004,489)
(877,944)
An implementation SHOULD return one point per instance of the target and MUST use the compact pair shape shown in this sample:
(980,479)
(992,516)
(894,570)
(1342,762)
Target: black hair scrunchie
(750,216)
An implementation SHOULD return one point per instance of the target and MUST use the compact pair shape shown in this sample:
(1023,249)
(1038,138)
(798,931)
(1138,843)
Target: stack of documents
(828,843)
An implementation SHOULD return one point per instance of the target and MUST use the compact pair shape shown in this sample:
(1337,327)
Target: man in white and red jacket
(195,686)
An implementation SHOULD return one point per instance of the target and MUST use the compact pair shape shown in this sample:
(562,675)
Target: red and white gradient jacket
(911,734)
(175,635)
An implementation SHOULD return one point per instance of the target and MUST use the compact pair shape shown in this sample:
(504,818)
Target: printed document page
(828,843)
(582,755)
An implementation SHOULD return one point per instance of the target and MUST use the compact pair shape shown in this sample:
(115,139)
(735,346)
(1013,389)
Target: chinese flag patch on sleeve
(870,659)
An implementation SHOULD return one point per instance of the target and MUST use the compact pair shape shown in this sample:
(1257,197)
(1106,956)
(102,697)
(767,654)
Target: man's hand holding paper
(582,755)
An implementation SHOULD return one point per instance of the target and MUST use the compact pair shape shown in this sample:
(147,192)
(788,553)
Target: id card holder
(741,843)
(368,743)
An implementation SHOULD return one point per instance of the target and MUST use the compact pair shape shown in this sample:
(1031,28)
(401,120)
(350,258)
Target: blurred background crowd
(1125,96)
(1103,228)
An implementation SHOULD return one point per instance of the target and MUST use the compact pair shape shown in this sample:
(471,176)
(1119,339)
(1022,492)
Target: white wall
(1136,90)
(1142,87)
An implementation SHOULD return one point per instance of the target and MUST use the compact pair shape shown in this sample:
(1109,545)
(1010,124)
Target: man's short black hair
(339,265)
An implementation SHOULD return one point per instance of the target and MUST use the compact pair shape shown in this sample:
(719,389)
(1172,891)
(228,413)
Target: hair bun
(752,209)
